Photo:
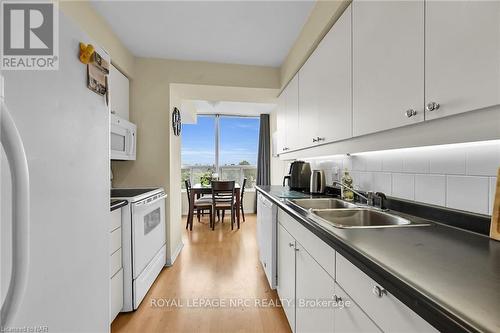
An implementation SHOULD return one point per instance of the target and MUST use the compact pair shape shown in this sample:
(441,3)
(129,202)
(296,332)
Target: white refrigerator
(55,196)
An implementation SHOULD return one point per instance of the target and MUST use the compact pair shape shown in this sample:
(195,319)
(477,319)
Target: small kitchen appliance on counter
(299,176)
(143,241)
(318,183)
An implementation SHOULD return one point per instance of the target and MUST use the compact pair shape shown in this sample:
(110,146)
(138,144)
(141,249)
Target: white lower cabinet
(311,276)
(115,264)
(315,290)
(349,317)
(386,310)
(286,274)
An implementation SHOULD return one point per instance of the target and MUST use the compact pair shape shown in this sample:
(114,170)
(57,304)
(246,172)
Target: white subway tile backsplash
(430,189)
(483,161)
(392,163)
(358,163)
(403,186)
(434,175)
(347,163)
(492,190)
(373,163)
(468,193)
(416,163)
(449,162)
(382,182)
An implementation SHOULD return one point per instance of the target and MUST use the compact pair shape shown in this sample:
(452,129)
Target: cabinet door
(292,113)
(286,274)
(388,312)
(462,55)
(309,96)
(388,64)
(314,285)
(334,82)
(349,317)
(119,93)
(281,122)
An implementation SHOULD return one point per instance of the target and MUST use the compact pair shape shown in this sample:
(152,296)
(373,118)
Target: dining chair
(223,199)
(242,193)
(200,205)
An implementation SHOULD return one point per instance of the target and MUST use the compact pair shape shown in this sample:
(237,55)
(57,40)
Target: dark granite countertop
(449,276)
(117,203)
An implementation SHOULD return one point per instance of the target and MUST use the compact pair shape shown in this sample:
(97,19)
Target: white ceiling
(236,32)
(233,108)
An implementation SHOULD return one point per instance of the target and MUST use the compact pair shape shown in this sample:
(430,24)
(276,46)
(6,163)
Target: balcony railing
(226,172)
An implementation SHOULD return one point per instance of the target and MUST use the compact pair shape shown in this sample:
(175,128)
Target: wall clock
(176,121)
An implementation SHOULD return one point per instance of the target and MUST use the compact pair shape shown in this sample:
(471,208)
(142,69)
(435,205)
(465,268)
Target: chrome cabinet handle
(379,291)
(432,106)
(410,113)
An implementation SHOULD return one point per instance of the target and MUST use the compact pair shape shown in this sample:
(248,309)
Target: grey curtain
(264,154)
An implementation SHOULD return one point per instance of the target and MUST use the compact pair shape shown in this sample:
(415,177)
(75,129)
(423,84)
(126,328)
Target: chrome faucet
(369,198)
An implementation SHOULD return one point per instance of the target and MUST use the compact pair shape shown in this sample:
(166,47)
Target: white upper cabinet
(119,93)
(288,116)
(309,100)
(462,56)
(388,64)
(292,113)
(335,82)
(325,88)
(281,122)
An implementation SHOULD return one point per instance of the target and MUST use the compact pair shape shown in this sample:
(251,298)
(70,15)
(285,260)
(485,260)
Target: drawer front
(319,250)
(115,262)
(350,318)
(390,314)
(115,240)
(116,295)
(116,219)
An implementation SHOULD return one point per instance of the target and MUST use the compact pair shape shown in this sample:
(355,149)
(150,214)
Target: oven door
(148,232)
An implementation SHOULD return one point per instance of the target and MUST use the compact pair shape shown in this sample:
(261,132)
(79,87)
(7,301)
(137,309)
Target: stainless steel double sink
(343,214)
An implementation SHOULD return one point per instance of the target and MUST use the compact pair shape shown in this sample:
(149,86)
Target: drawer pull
(379,291)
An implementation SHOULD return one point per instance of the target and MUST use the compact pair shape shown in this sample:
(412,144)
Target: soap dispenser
(347,181)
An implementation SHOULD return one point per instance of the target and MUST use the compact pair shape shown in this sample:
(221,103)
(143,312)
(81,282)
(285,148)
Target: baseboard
(170,261)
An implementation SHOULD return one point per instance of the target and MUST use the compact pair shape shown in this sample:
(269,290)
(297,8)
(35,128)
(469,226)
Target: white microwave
(122,139)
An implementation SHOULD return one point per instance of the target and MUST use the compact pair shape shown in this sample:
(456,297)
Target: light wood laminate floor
(213,265)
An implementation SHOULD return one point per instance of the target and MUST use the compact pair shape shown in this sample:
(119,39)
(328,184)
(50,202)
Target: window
(198,149)
(226,145)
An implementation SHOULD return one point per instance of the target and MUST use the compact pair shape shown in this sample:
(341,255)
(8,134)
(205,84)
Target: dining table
(198,190)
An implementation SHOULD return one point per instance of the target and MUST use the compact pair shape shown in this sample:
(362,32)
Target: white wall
(461,176)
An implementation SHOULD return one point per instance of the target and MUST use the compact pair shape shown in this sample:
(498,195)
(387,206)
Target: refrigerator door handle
(16,156)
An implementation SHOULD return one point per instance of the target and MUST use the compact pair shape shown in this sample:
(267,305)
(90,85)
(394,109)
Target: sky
(239,139)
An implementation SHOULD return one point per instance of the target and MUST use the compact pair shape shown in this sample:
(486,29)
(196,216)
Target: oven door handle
(144,203)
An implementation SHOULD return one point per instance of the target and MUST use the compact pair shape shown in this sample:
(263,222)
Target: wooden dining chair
(242,193)
(223,199)
(200,205)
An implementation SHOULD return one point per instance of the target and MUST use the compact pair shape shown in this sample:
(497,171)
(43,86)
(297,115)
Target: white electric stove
(143,241)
